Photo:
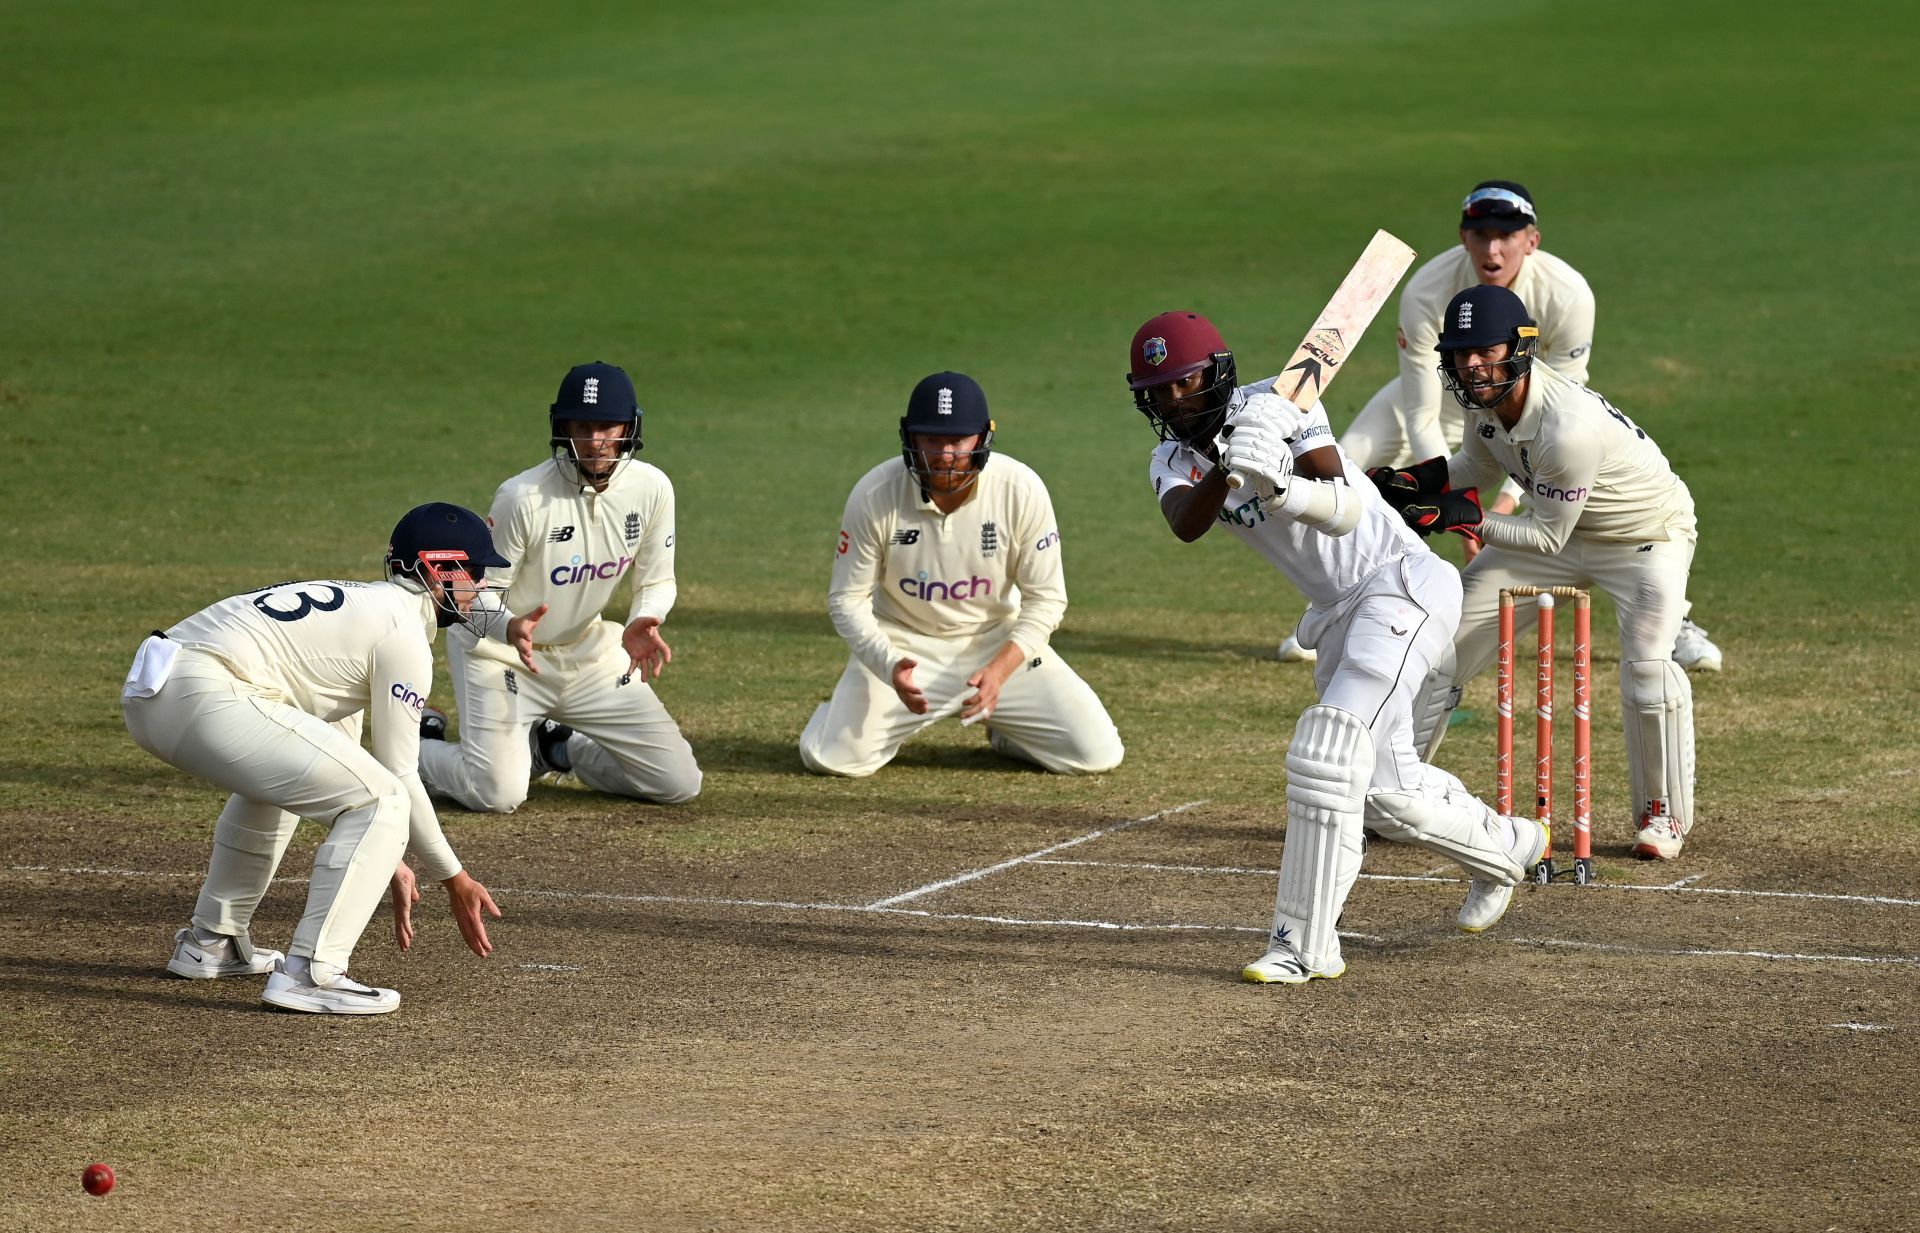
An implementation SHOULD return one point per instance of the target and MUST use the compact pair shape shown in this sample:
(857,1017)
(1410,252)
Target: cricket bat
(1317,360)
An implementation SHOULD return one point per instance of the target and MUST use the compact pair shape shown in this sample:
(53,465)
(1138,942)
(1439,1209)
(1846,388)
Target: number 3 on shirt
(1616,414)
(842,551)
(333,599)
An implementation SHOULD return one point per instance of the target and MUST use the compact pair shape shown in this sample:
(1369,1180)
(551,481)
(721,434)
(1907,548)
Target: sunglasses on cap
(1495,202)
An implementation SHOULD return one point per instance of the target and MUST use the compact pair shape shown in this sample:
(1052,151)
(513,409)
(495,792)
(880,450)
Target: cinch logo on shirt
(578,571)
(408,697)
(1559,494)
(1047,541)
(928,589)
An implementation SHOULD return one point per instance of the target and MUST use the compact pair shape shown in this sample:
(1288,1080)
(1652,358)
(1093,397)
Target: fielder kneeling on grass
(1383,610)
(264,694)
(947,585)
(1604,509)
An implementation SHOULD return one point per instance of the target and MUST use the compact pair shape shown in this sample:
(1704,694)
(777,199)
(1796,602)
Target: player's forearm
(425,839)
(853,620)
(1524,533)
(1191,509)
(1465,470)
(1330,507)
(653,598)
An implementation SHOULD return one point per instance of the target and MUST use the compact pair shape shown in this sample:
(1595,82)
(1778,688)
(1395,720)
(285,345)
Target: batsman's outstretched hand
(520,636)
(1449,511)
(646,649)
(910,695)
(469,900)
(406,893)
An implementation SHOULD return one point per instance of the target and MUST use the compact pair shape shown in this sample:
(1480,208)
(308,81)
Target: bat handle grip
(1236,481)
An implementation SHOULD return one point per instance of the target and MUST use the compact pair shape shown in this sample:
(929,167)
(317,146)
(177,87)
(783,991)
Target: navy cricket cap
(439,527)
(951,403)
(1481,317)
(1498,204)
(596,391)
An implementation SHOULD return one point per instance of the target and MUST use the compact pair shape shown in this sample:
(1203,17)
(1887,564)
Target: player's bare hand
(910,695)
(980,704)
(520,636)
(469,900)
(406,893)
(646,649)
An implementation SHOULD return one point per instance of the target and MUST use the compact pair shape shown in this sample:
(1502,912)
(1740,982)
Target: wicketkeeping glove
(1447,511)
(1408,485)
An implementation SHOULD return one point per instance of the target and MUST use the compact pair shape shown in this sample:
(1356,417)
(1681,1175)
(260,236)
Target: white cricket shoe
(1694,651)
(1659,838)
(321,994)
(1291,652)
(197,960)
(1283,966)
(1487,900)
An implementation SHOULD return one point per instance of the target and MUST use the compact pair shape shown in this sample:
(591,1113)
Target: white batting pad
(1447,819)
(1329,763)
(1434,704)
(1656,710)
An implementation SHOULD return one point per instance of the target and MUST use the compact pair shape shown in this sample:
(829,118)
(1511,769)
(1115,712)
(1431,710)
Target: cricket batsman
(1383,609)
(264,694)
(1604,509)
(576,526)
(947,586)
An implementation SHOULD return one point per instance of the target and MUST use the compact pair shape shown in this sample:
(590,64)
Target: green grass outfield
(269,276)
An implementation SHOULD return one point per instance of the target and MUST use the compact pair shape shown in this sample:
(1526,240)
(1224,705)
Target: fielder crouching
(264,694)
(947,586)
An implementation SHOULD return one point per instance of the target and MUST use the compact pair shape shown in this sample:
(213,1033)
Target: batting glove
(1260,456)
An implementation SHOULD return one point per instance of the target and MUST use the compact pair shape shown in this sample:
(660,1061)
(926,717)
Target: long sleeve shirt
(994,563)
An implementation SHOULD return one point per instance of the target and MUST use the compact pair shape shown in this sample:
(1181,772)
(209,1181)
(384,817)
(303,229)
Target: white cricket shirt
(571,547)
(1556,296)
(1587,469)
(993,562)
(334,649)
(1324,567)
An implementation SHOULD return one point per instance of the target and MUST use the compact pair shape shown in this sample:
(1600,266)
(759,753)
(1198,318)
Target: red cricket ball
(97,1178)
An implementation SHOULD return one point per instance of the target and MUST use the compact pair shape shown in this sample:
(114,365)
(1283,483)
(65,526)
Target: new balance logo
(906,537)
(946,402)
(560,535)
(590,394)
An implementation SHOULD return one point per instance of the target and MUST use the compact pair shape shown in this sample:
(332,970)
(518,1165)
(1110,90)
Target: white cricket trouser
(1375,650)
(281,764)
(1648,583)
(1046,714)
(624,742)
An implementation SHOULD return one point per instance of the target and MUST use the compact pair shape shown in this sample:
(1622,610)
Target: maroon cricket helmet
(1171,346)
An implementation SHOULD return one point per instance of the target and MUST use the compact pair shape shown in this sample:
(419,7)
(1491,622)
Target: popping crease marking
(949,883)
(1672,888)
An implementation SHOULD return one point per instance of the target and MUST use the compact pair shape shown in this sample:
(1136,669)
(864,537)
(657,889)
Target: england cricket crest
(1154,351)
(989,539)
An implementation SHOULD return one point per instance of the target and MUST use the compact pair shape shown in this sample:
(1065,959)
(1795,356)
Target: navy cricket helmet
(1480,318)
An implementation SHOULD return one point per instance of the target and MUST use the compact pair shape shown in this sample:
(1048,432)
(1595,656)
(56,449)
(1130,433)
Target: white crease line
(1230,869)
(612,897)
(949,883)
(550,967)
(1688,880)
(1862,1027)
(1703,953)
(1671,888)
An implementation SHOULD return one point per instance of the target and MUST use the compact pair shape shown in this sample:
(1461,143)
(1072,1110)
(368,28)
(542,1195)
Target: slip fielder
(576,526)
(1383,610)
(264,694)
(947,586)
